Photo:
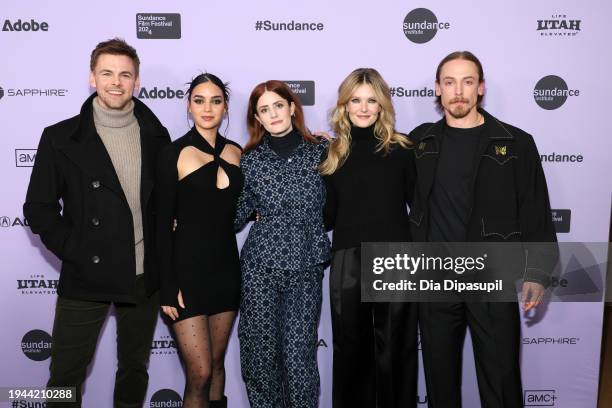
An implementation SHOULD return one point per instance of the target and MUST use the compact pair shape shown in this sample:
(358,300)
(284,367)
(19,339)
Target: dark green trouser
(75,334)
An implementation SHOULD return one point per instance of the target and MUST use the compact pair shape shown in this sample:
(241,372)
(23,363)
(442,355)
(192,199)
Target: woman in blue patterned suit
(284,255)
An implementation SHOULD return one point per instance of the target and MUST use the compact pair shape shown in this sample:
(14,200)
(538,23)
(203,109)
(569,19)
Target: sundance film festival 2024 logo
(305,90)
(165,398)
(36,345)
(558,25)
(561,220)
(156,26)
(552,91)
(421,25)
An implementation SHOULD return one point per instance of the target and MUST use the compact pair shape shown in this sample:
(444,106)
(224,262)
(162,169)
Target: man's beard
(459,111)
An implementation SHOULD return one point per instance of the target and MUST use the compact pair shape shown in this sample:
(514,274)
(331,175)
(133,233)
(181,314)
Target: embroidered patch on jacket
(501,150)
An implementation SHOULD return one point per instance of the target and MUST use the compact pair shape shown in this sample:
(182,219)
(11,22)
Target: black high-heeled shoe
(222,403)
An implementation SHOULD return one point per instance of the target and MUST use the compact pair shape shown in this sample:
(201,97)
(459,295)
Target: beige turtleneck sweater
(120,134)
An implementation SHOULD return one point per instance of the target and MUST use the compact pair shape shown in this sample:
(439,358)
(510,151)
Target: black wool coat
(509,196)
(91,229)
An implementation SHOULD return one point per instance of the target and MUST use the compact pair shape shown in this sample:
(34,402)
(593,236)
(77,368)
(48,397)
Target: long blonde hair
(384,128)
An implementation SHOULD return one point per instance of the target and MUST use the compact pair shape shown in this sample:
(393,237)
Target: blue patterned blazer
(289,195)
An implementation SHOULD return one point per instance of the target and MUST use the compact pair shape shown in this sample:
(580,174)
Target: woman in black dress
(199,181)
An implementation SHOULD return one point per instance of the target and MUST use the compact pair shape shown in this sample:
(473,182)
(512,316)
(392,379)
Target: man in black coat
(478,180)
(100,164)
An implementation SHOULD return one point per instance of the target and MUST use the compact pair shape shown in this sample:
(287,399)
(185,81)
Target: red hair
(256,130)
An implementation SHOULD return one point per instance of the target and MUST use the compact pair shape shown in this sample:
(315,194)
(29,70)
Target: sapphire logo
(421,25)
(552,91)
(34,92)
(555,341)
(165,398)
(36,345)
(158,26)
(539,398)
(558,25)
(19,25)
(305,90)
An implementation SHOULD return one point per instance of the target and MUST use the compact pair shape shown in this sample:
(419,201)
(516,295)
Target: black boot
(222,403)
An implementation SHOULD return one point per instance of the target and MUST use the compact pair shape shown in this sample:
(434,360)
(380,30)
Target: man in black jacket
(100,164)
(478,180)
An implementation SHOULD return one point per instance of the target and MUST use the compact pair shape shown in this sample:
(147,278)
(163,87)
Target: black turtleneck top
(367,195)
(285,145)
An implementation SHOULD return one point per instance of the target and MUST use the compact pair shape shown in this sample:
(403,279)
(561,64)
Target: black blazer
(508,191)
(91,231)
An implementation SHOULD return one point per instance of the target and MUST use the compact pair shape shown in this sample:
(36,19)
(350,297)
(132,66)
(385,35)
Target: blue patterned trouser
(279,317)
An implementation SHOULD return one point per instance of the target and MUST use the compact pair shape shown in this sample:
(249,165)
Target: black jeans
(496,336)
(76,329)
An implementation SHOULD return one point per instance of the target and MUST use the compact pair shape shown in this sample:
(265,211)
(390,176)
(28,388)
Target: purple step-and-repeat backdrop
(547,65)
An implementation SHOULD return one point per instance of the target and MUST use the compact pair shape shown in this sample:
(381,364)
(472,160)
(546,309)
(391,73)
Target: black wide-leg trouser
(375,344)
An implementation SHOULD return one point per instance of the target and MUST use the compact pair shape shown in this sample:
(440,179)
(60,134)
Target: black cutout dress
(200,257)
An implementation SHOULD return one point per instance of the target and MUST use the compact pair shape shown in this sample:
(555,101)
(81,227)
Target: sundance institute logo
(551,92)
(165,398)
(421,25)
(36,345)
